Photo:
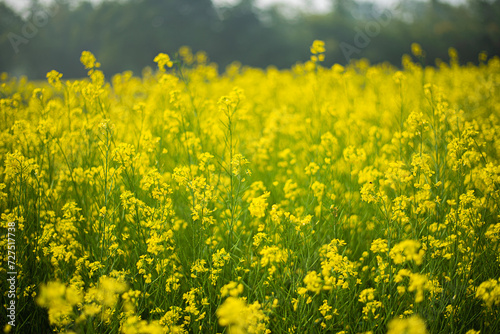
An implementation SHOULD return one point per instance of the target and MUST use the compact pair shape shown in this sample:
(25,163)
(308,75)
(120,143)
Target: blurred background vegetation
(128,34)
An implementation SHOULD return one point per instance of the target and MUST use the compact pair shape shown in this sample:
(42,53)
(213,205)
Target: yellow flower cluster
(258,205)
(489,292)
(318,51)
(163,59)
(411,325)
(407,250)
(68,304)
(241,318)
(196,199)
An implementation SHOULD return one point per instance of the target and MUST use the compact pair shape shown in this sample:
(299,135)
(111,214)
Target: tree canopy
(127,35)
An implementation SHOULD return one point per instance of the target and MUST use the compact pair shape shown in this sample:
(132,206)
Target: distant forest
(128,34)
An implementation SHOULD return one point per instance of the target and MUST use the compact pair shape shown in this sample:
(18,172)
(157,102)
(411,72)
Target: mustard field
(358,199)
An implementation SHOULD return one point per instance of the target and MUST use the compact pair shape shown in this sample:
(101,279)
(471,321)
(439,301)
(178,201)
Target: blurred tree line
(128,34)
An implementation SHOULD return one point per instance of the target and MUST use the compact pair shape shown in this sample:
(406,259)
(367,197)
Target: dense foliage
(358,199)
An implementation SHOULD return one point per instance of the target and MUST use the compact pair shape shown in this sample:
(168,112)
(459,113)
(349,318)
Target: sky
(307,5)
(312,5)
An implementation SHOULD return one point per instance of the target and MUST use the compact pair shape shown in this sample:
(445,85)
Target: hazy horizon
(305,5)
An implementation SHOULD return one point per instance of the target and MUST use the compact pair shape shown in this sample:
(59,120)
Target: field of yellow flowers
(362,199)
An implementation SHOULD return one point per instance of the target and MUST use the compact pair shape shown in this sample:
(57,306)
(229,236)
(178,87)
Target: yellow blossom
(411,325)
